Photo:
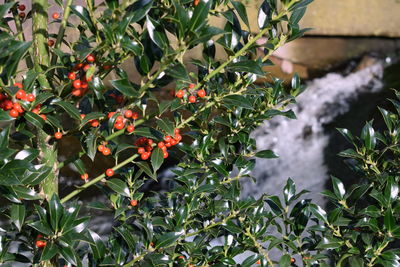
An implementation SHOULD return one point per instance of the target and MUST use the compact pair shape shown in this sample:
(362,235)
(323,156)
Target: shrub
(202,130)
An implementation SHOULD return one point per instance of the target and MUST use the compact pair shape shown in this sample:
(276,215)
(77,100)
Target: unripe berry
(133,202)
(109,172)
(180,94)
(192,99)
(30,98)
(201,93)
(85,176)
(106,151)
(77,84)
(58,135)
(14,113)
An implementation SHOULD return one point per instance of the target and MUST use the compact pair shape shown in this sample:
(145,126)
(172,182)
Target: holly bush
(59,89)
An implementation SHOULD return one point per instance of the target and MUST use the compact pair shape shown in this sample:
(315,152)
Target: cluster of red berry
(104,149)
(192,98)
(15,108)
(94,123)
(80,85)
(145,146)
(121,121)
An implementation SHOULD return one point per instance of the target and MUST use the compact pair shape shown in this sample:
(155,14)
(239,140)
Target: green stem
(97,179)
(61,31)
(259,248)
(41,56)
(48,156)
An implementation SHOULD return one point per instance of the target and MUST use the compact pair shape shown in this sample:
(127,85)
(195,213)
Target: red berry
(128,114)
(173,142)
(141,150)
(94,123)
(50,43)
(86,67)
(85,176)
(180,94)
(8,104)
(119,125)
(100,148)
(40,244)
(192,99)
(181,257)
(78,66)
(84,85)
(168,145)
(89,79)
(195,3)
(165,154)
(30,97)
(77,84)
(14,113)
(109,172)
(133,202)
(58,135)
(22,15)
(130,128)
(292,260)
(150,142)
(43,116)
(21,7)
(135,115)
(107,67)
(145,155)
(18,107)
(178,137)
(191,86)
(258,262)
(110,114)
(35,110)
(55,15)
(76,92)
(19,85)
(20,94)
(167,139)
(148,148)
(106,151)
(201,93)
(177,131)
(90,58)
(161,144)
(119,99)
(119,119)
(72,76)
(164,148)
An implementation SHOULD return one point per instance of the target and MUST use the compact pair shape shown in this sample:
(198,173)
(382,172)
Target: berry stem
(97,179)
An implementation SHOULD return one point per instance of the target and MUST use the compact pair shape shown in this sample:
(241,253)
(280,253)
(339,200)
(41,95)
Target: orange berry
(161,144)
(50,43)
(173,142)
(191,86)
(177,131)
(110,114)
(141,150)
(35,110)
(178,137)
(168,145)
(135,115)
(145,155)
(19,85)
(14,113)
(109,172)
(76,92)
(165,154)
(94,123)
(85,176)
(201,93)
(18,107)
(133,202)
(22,15)
(180,94)
(106,151)
(100,148)
(167,139)
(258,262)
(84,85)
(30,98)
(181,257)
(130,128)
(40,244)
(58,135)
(164,148)
(292,260)
(119,125)
(119,119)
(196,2)
(86,67)
(192,99)
(72,76)
(77,84)
(55,15)
(43,116)
(83,116)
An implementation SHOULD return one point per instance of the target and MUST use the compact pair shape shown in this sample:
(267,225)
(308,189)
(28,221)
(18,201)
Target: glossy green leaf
(18,215)
(119,187)
(167,240)
(157,158)
(69,108)
(267,154)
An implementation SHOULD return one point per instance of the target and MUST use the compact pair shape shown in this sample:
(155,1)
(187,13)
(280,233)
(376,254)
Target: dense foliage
(55,88)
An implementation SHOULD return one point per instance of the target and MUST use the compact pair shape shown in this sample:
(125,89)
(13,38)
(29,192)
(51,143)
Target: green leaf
(338,188)
(368,135)
(266,154)
(238,100)
(4,137)
(178,71)
(166,125)
(56,210)
(167,240)
(69,108)
(284,261)
(241,10)
(157,158)
(125,87)
(146,168)
(49,251)
(131,45)
(69,255)
(289,191)
(148,132)
(157,33)
(5,116)
(119,187)
(97,246)
(200,14)
(134,13)
(14,60)
(246,66)
(18,215)
(389,220)
(249,261)
(35,119)
(84,15)
(182,18)
(264,14)
(318,212)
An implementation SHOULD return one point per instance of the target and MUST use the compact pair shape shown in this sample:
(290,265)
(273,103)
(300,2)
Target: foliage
(204,126)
